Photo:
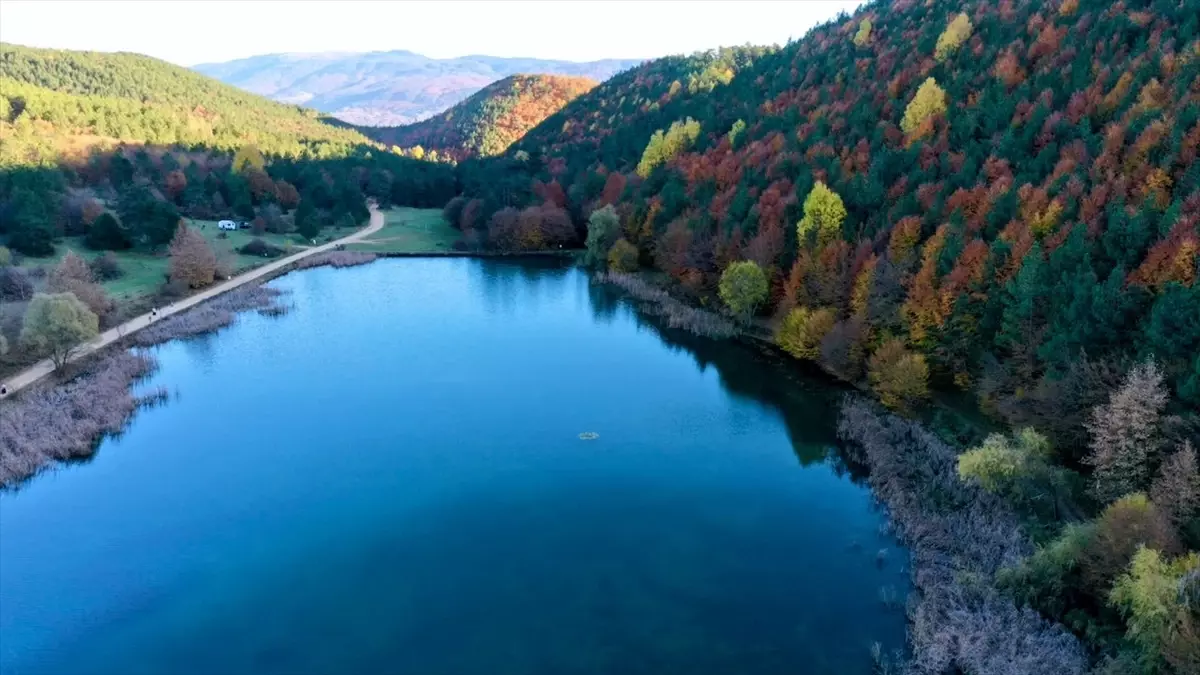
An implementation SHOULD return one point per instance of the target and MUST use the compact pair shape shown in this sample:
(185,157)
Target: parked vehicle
(227,224)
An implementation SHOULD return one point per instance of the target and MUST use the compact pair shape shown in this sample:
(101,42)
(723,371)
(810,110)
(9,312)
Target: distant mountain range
(387,88)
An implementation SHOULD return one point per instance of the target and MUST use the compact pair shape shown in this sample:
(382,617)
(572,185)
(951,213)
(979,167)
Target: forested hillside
(83,132)
(47,95)
(980,163)
(490,120)
(1000,199)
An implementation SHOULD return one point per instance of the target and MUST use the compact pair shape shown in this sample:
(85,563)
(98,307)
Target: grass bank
(410,231)
(144,273)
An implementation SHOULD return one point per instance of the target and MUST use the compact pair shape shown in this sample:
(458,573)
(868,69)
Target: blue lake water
(390,479)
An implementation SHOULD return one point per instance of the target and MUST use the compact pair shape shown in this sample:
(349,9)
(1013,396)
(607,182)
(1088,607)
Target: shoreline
(566,253)
(105,373)
(39,370)
(901,455)
(15,382)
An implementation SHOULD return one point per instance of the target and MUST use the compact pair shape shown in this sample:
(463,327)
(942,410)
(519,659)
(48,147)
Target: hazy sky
(190,32)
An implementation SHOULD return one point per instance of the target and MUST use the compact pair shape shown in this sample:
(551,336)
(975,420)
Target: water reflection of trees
(807,402)
(509,283)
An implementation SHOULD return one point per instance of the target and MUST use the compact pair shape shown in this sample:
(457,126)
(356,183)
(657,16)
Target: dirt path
(43,368)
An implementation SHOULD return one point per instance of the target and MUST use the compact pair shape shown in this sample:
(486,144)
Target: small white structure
(227,225)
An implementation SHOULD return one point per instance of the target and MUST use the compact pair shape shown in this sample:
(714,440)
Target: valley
(872,351)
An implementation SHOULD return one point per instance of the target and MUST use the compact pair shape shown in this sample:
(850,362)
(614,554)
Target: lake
(391,479)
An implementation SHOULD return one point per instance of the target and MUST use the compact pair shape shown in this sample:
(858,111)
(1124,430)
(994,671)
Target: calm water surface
(390,479)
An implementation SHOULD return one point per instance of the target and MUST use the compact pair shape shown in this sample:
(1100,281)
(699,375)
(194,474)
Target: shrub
(307,219)
(541,227)
(73,275)
(5,257)
(802,330)
(453,210)
(1019,468)
(1048,579)
(33,240)
(258,247)
(1126,524)
(899,377)
(56,324)
(270,219)
(1148,595)
(502,229)
(604,226)
(15,285)
(1001,461)
(106,267)
(623,257)
(842,349)
(70,268)
(107,234)
(743,287)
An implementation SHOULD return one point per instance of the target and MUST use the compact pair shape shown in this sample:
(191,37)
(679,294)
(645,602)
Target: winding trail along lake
(390,479)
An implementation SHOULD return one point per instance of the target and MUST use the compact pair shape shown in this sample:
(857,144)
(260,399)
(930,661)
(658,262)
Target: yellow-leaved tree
(802,331)
(929,102)
(665,145)
(952,38)
(863,36)
(823,214)
(248,157)
(899,377)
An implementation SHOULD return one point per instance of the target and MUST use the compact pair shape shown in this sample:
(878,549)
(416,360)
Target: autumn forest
(991,203)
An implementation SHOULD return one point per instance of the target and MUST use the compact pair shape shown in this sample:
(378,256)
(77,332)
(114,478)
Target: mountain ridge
(488,121)
(387,88)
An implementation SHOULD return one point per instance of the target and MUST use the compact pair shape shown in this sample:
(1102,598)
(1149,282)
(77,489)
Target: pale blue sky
(190,32)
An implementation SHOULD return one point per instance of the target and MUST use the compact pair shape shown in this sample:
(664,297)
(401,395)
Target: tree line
(1000,199)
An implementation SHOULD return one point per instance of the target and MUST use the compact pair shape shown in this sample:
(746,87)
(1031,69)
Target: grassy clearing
(409,230)
(146,272)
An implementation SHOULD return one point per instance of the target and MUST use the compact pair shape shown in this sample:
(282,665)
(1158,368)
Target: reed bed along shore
(959,536)
(53,422)
(676,313)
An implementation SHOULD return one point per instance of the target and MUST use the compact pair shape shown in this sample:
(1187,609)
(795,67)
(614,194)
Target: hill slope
(83,132)
(998,199)
(387,88)
(489,120)
(1069,133)
(54,99)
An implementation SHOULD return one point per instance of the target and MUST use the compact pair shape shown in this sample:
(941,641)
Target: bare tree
(73,275)
(193,262)
(1125,434)
(71,267)
(1176,490)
